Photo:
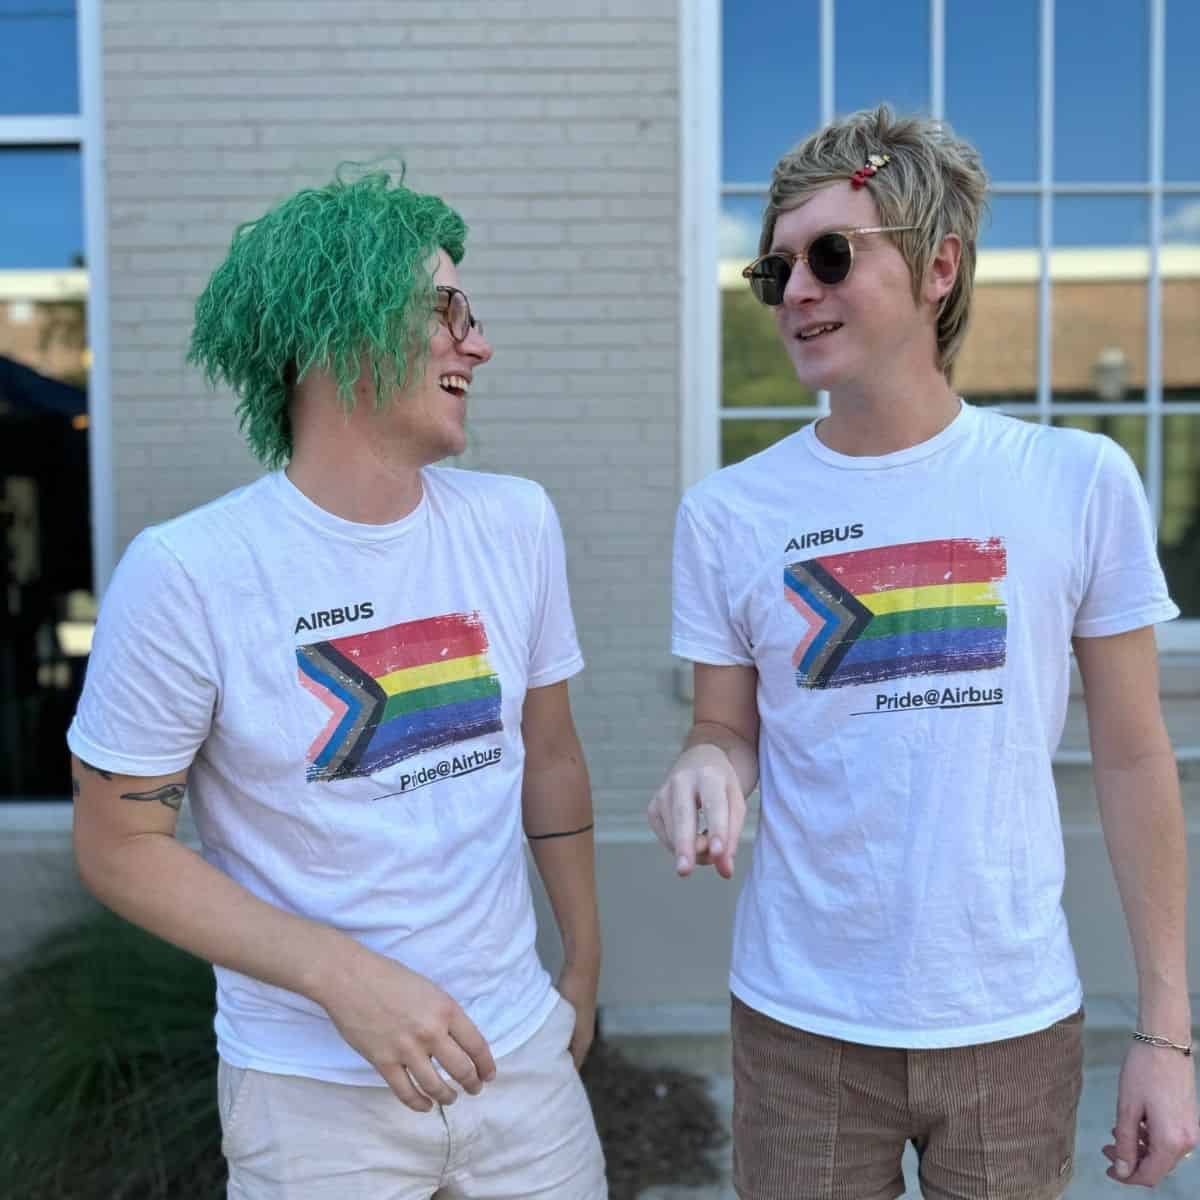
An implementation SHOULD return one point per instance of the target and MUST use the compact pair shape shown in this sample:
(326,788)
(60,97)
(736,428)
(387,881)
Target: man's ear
(943,269)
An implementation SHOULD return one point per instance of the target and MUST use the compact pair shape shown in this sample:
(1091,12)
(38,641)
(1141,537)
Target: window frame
(83,131)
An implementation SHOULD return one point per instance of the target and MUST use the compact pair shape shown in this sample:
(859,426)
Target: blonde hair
(934,181)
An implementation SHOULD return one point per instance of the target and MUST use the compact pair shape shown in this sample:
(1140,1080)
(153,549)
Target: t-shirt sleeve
(1124,585)
(702,626)
(151,683)
(554,648)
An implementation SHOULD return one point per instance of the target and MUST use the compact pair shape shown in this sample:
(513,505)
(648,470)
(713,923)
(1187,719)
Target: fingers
(581,1043)
(418,1083)
(724,848)
(683,823)
(474,1045)
(1161,1146)
(398,1080)
(673,814)
(459,1065)
(713,799)
(425,1076)
(1126,1136)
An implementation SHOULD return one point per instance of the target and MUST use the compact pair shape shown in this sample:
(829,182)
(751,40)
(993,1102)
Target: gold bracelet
(1162,1043)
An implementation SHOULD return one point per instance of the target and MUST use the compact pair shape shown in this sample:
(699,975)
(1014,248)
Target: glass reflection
(1098,304)
(47,609)
(38,72)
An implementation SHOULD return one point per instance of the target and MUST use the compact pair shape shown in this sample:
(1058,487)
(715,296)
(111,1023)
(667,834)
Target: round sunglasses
(456,312)
(829,257)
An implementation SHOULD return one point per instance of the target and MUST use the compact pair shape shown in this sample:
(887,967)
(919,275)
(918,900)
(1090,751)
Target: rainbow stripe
(921,608)
(396,692)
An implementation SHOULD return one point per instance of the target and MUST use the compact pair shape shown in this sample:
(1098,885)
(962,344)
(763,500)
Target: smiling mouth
(807,335)
(455,385)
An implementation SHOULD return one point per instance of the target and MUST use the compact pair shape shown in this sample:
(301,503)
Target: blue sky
(771,87)
(771,98)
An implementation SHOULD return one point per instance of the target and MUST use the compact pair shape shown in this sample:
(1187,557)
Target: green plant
(108,1052)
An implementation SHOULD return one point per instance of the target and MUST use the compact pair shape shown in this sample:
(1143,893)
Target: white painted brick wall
(553,126)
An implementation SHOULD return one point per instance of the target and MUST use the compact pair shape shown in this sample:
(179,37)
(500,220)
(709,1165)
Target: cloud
(737,236)
(1184,224)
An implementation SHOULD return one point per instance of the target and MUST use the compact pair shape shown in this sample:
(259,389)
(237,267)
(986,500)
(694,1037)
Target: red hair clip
(875,163)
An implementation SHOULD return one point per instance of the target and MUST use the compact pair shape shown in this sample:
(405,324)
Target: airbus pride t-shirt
(910,619)
(349,700)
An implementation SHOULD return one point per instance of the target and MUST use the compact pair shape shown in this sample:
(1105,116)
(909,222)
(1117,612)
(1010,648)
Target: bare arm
(128,855)
(556,800)
(716,771)
(1137,783)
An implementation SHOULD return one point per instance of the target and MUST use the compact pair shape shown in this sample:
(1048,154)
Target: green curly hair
(325,277)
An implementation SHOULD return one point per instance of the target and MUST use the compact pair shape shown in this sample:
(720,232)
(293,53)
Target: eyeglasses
(456,312)
(829,257)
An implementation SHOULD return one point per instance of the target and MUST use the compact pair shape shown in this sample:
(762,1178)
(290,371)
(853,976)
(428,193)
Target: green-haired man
(356,666)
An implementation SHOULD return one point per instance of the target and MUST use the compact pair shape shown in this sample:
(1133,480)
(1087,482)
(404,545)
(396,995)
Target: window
(47,596)
(1088,284)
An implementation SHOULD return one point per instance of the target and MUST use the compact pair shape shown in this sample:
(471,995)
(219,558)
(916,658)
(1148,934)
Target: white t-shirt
(349,700)
(910,619)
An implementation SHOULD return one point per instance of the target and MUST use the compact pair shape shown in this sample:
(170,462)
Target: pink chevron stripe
(814,623)
(337,706)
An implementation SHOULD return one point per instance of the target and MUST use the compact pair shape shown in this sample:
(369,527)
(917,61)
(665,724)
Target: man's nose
(802,286)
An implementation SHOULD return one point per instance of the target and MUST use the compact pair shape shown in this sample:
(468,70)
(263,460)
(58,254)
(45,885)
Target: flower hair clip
(874,164)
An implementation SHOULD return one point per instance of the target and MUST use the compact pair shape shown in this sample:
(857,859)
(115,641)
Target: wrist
(584,958)
(1158,1042)
(330,960)
(1166,1016)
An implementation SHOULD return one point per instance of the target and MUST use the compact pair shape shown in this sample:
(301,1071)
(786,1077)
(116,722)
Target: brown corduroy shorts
(815,1118)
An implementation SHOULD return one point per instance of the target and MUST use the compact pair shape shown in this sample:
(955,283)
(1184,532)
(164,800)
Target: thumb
(1126,1160)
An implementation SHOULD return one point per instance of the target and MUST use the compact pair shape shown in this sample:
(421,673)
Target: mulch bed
(658,1125)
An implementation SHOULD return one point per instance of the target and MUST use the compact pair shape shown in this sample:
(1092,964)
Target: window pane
(1181,298)
(1179,529)
(741,220)
(47,609)
(1126,429)
(755,370)
(999,360)
(1101,90)
(38,71)
(43,209)
(740,439)
(1183,92)
(881,49)
(771,80)
(992,82)
(1098,302)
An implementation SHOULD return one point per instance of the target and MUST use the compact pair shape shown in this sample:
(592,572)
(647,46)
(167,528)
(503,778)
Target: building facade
(583,143)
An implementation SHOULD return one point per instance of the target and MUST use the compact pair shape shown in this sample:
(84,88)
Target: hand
(702,780)
(1156,1116)
(579,988)
(399,1022)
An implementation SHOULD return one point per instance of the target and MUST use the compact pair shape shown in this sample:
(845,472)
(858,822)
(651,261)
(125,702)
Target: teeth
(455,381)
(805,334)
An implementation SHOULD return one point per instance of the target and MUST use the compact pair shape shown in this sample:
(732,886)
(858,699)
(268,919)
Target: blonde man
(880,610)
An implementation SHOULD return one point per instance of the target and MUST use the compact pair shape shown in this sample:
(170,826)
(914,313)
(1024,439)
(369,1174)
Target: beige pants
(529,1134)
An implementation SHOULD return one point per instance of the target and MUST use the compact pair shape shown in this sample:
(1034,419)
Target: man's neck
(357,484)
(885,418)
